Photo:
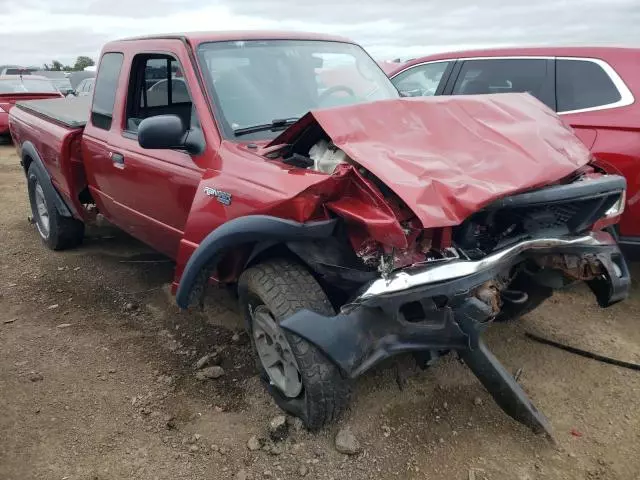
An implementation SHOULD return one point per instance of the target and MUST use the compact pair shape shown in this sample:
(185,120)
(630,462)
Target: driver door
(147,193)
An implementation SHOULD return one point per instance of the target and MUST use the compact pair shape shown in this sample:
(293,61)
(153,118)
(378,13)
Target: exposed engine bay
(553,211)
(416,245)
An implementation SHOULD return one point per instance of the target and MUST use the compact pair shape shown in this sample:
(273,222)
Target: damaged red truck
(355,225)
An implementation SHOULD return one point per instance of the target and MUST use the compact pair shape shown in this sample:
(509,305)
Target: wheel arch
(266,233)
(30,157)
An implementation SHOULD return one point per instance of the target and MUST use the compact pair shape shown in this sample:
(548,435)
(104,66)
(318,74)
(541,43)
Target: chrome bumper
(373,328)
(446,270)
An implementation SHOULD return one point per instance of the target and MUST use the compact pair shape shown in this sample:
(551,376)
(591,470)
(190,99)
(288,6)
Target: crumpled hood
(447,157)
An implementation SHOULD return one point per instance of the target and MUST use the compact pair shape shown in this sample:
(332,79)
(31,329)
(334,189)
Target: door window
(157,87)
(421,80)
(501,76)
(583,84)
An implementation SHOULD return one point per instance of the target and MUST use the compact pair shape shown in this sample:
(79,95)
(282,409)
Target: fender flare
(242,230)
(29,150)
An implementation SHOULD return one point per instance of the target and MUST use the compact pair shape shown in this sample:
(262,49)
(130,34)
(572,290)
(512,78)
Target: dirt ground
(97,382)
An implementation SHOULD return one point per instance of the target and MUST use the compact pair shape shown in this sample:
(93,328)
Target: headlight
(618,207)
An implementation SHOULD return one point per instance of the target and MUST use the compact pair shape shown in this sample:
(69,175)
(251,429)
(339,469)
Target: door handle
(117,159)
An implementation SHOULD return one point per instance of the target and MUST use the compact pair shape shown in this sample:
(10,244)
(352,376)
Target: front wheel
(57,232)
(301,379)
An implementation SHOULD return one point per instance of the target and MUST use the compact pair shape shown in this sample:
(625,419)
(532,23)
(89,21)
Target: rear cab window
(586,84)
(503,75)
(105,90)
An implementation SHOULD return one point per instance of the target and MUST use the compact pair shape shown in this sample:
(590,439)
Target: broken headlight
(618,207)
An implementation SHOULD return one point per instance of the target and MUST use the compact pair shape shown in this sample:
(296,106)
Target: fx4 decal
(222,197)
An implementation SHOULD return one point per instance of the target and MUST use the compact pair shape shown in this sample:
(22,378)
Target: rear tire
(57,232)
(279,289)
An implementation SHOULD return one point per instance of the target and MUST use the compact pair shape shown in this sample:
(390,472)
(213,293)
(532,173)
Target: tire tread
(286,288)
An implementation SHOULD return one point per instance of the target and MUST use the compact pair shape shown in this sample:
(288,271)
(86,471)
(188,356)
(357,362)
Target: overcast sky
(36,31)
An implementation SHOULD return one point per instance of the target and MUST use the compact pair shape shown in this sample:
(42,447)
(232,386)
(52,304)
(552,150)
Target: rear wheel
(57,232)
(300,378)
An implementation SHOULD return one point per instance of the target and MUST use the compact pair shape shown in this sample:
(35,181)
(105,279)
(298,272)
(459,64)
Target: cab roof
(196,38)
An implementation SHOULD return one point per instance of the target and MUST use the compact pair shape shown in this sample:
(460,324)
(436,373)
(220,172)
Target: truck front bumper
(374,326)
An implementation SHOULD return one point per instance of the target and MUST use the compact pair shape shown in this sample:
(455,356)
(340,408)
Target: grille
(549,217)
(492,229)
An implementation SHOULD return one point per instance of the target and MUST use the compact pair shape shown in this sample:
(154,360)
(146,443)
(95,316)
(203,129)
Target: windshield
(26,85)
(259,81)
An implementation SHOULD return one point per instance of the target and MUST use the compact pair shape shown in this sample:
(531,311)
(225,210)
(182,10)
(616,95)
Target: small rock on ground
(254,444)
(207,359)
(347,443)
(36,377)
(210,372)
(276,450)
(242,475)
(279,428)
(303,470)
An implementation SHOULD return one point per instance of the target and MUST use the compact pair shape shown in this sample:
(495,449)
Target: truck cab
(355,225)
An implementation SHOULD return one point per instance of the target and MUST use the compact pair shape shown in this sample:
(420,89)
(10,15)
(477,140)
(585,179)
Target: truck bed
(72,112)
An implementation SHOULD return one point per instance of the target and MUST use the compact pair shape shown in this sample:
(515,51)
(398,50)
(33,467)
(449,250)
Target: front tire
(57,232)
(300,378)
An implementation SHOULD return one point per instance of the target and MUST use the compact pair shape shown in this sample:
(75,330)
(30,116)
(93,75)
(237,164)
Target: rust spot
(585,267)
(489,293)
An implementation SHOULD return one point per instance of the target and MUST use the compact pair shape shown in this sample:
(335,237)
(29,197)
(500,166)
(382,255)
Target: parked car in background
(348,236)
(85,87)
(158,91)
(592,88)
(59,79)
(64,85)
(16,87)
(389,66)
(15,70)
(76,77)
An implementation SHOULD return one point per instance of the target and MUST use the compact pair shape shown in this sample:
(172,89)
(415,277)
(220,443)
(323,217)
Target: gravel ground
(97,382)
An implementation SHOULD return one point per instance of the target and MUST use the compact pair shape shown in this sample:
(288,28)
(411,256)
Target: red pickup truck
(356,225)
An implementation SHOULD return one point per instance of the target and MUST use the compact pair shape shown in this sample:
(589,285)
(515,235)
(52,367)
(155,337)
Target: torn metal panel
(447,157)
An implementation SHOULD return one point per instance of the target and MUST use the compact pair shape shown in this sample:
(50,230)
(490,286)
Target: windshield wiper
(275,125)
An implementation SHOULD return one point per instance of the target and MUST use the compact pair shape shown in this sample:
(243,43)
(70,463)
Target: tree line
(81,63)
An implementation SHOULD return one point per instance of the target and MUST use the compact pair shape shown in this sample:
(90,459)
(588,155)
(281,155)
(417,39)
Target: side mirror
(162,131)
(169,132)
